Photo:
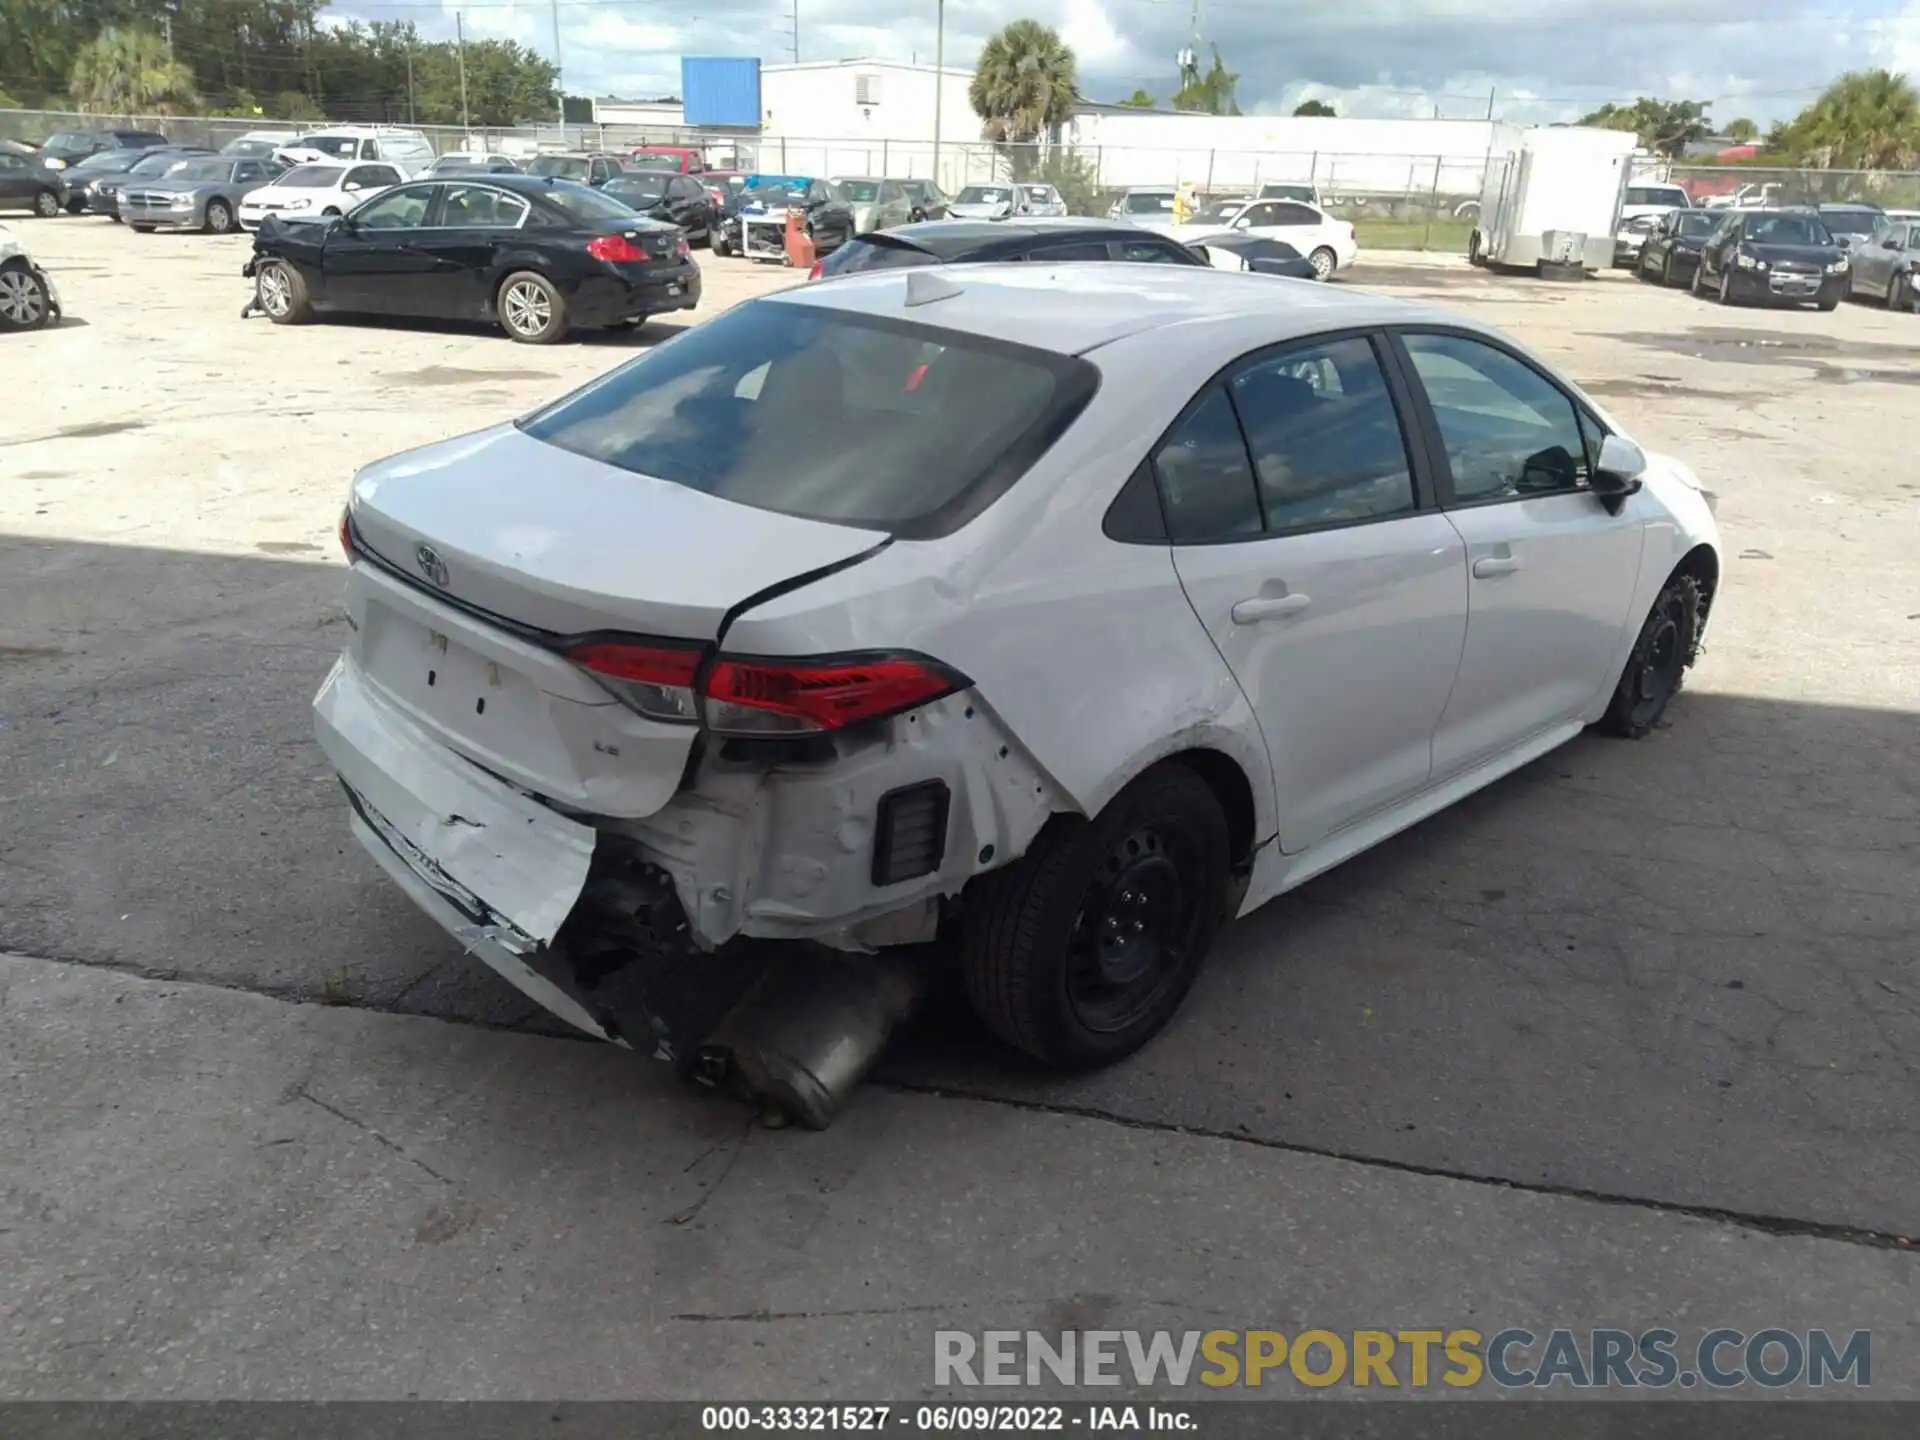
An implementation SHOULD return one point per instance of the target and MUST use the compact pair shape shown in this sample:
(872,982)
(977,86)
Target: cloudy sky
(1538,59)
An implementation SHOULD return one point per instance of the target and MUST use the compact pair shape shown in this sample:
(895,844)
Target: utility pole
(1490,94)
(559,85)
(939,79)
(460,49)
(796,32)
(410,73)
(166,29)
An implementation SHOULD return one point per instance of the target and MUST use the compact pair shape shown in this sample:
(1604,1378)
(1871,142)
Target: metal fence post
(1433,203)
(885,168)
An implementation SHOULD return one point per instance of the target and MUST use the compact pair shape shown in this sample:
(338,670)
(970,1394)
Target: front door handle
(1488,566)
(1267,607)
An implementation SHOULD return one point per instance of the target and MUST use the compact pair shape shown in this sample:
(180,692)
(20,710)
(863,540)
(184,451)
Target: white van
(409,150)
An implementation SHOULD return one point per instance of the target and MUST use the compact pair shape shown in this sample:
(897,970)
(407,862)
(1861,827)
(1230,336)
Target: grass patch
(1449,234)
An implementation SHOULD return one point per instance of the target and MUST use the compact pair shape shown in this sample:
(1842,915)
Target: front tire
(1726,287)
(24,302)
(281,292)
(1323,262)
(1658,663)
(46,204)
(219,218)
(141,229)
(1082,950)
(531,310)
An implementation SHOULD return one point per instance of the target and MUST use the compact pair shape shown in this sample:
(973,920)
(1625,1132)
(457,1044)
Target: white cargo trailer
(1551,198)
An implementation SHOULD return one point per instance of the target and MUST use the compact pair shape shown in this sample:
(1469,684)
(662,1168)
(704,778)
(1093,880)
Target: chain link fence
(1766,185)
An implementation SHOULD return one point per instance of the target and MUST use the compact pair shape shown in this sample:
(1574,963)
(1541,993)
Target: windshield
(566,167)
(1221,212)
(201,172)
(1138,204)
(1696,225)
(587,204)
(983,195)
(771,188)
(70,140)
(1787,230)
(823,414)
(343,146)
(1850,222)
(448,164)
(1671,196)
(860,192)
(311,177)
(250,149)
(108,162)
(1043,193)
(160,165)
(638,189)
(655,160)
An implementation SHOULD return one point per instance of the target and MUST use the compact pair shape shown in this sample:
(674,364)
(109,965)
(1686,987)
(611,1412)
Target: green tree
(1865,120)
(1314,107)
(131,72)
(1023,83)
(1140,100)
(1665,127)
(1742,131)
(1212,93)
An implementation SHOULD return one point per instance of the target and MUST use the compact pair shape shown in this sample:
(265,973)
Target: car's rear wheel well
(1233,790)
(1704,566)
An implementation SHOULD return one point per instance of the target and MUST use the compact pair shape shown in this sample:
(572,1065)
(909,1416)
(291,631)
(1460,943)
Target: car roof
(947,238)
(1071,309)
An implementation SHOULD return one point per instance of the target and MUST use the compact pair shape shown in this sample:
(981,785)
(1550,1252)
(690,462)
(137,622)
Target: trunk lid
(565,544)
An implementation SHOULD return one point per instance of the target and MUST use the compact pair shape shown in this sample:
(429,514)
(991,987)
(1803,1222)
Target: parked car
(1328,244)
(1144,202)
(682,158)
(758,194)
(25,149)
(538,257)
(410,150)
(583,167)
(1755,195)
(1850,224)
(28,296)
(94,185)
(1043,200)
(203,194)
(1630,238)
(720,185)
(988,202)
(685,690)
(1773,255)
(1279,190)
(1883,265)
(69,147)
(929,201)
(1672,250)
(26,184)
(876,203)
(757,228)
(259,144)
(1237,250)
(666,195)
(317,192)
(1653,199)
(1049,240)
(460,163)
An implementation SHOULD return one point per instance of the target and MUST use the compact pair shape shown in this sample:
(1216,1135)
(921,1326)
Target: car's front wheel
(1322,261)
(282,293)
(1726,287)
(1081,951)
(24,302)
(46,204)
(531,309)
(219,217)
(1658,663)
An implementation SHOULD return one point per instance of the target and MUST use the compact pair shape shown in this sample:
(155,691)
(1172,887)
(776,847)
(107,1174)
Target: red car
(683,158)
(722,184)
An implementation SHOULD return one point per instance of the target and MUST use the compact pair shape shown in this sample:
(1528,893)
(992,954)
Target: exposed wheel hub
(1127,944)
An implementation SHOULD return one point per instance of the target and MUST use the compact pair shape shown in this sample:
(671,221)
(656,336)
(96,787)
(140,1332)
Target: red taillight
(771,697)
(763,697)
(683,251)
(656,680)
(351,550)
(616,248)
(819,269)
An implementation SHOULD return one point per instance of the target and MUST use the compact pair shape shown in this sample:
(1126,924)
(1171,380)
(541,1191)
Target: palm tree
(131,72)
(1023,83)
(1742,131)
(1866,120)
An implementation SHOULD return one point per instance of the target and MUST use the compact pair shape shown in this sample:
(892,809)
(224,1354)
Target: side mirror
(1617,476)
(1890,243)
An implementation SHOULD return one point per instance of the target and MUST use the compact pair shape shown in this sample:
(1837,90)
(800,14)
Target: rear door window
(1073,250)
(1206,480)
(882,423)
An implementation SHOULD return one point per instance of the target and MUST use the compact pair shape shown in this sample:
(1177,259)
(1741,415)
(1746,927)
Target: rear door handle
(1267,607)
(1488,566)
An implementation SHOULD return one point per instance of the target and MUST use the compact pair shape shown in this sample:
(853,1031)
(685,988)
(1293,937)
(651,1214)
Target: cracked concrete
(1679,974)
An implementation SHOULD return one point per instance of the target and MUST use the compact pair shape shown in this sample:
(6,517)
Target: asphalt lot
(1669,987)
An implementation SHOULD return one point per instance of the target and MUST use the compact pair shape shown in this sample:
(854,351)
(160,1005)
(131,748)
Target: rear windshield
(870,253)
(564,166)
(1671,195)
(250,149)
(983,195)
(589,205)
(344,146)
(853,419)
(641,189)
(861,192)
(1151,204)
(1851,222)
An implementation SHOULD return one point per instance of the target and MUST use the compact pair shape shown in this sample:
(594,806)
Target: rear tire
(281,292)
(1323,263)
(47,204)
(531,310)
(719,242)
(1082,950)
(1726,287)
(219,218)
(1665,647)
(141,229)
(24,301)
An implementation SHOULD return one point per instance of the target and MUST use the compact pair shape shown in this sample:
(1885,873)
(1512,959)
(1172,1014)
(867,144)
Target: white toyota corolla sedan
(1061,611)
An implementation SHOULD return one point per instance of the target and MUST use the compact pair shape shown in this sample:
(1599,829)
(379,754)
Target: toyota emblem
(431,566)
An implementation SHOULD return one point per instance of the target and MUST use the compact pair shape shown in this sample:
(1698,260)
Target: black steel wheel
(1658,663)
(1082,950)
